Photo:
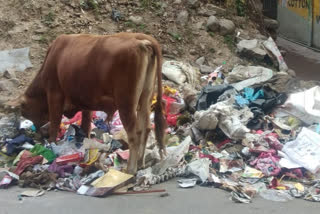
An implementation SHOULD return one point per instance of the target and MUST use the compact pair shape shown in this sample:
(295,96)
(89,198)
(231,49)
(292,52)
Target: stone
(206,13)
(193,4)
(204,69)
(36,38)
(177,2)
(271,24)
(251,49)
(9,73)
(199,25)
(260,37)
(193,52)
(6,85)
(226,27)
(15,82)
(213,24)
(41,30)
(291,72)
(136,19)
(182,17)
(218,10)
(201,60)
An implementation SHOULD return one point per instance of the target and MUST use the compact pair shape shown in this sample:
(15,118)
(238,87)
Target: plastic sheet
(242,77)
(305,150)
(16,58)
(305,105)
(276,195)
(200,168)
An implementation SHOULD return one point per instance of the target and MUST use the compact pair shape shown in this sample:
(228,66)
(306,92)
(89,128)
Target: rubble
(9,73)
(251,49)
(226,27)
(136,19)
(182,17)
(213,24)
(193,3)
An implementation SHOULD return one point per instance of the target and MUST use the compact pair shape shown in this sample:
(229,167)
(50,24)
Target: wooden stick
(139,192)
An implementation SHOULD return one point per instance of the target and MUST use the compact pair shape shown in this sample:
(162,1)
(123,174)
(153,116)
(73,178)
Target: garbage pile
(242,132)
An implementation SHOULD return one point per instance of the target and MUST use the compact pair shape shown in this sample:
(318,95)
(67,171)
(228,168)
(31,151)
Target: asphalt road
(304,61)
(197,200)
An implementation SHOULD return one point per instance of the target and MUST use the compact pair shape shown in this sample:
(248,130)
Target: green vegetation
(176,36)
(229,41)
(49,18)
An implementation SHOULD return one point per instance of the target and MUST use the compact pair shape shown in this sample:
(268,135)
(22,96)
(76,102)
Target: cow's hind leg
(55,103)
(129,121)
(144,114)
(145,107)
(144,127)
(86,122)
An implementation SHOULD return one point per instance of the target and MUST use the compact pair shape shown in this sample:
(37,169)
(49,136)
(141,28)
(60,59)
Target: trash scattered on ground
(187,183)
(243,132)
(32,193)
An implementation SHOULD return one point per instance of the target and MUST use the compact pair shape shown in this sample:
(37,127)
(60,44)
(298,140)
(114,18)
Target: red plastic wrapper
(77,157)
(213,159)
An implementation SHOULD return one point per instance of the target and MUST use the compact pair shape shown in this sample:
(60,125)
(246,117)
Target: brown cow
(108,73)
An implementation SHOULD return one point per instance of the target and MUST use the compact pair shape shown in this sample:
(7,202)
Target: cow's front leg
(86,122)
(55,103)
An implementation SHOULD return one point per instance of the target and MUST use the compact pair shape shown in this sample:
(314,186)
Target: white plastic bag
(272,47)
(305,150)
(305,105)
(172,71)
(175,155)
(200,168)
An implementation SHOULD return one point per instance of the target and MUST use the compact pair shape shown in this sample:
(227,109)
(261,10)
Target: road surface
(194,201)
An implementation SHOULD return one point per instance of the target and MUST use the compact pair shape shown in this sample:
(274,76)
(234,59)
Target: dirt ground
(35,23)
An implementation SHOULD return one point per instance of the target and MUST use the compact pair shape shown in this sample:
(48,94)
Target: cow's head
(31,108)
(35,109)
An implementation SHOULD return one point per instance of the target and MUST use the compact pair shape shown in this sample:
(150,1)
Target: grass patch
(49,18)
(91,5)
(211,34)
(135,27)
(150,4)
(229,41)
(176,36)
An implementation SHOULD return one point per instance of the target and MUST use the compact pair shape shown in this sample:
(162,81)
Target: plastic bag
(305,150)
(172,71)
(276,195)
(305,105)
(175,154)
(16,58)
(242,77)
(272,47)
(200,168)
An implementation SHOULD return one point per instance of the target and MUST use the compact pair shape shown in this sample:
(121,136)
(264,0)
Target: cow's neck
(36,89)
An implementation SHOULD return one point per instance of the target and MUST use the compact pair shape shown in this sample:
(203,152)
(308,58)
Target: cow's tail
(159,120)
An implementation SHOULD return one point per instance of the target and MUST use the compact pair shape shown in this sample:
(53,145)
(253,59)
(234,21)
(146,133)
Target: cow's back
(88,69)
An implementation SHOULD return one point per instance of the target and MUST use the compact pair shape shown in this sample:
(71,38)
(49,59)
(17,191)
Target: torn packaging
(230,120)
(107,184)
(210,94)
